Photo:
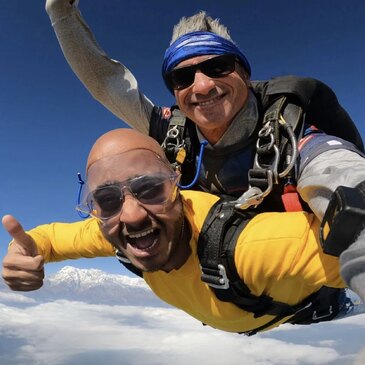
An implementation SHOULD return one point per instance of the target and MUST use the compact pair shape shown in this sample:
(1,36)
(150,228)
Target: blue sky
(49,121)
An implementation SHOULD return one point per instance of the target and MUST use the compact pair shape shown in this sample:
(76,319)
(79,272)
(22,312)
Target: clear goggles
(103,195)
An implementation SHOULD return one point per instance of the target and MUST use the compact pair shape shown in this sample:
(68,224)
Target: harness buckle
(120,257)
(173,139)
(316,317)
(254,195)
(215,278)
(268,148)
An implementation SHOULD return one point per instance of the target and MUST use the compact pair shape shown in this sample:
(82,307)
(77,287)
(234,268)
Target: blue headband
(200,43)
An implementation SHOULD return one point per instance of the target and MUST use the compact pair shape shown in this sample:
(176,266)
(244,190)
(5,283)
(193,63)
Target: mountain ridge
(88,285)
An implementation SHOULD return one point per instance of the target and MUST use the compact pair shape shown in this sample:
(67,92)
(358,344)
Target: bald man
(137,212)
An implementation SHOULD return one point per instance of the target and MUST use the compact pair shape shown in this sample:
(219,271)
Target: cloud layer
(64,332)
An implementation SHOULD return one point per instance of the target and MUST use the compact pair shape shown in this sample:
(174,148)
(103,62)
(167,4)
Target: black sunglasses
(215,67)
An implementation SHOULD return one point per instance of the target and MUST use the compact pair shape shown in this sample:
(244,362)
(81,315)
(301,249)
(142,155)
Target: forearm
(109,81)
(325,173)
(319,180)
(63,241)
(353,266)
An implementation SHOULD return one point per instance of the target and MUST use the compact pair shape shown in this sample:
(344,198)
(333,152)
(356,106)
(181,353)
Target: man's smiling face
(212,103)
(135,195)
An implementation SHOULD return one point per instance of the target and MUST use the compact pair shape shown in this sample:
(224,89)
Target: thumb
(23,241)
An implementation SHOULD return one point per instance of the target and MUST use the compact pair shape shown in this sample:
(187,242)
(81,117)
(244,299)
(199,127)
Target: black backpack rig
(285,103)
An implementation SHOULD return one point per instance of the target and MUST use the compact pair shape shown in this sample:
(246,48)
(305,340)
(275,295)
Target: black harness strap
(180,144)
(267,157)
(318,101)
(175,137)
(324,305)
(216,247)
(127,264)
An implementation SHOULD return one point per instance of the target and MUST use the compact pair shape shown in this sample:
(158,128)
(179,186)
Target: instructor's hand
(23,267)
(59,7)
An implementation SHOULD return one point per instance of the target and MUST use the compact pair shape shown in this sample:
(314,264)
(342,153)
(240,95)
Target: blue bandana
(197,44)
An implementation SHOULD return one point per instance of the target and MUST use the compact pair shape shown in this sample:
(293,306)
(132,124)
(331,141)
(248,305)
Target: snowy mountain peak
(91,286)
(75,277)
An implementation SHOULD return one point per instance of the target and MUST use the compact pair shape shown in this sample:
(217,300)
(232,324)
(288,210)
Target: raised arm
(109,81)
(23,265)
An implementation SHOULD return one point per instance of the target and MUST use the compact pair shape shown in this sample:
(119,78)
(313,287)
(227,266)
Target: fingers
(24,286)
(23,268)
(23,241)
(27,284)
(23,263)
(23,273)
(23,280)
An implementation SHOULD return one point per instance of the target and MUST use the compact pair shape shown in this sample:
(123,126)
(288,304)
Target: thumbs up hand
(23,267)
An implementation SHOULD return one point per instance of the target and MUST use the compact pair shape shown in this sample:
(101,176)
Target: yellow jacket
(277,254)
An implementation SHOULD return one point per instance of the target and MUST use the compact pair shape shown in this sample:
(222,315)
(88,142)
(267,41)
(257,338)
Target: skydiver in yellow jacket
(137,210)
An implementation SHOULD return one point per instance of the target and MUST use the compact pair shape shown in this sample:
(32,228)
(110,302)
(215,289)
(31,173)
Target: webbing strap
(127,264)
(216,248)
(276,149)
(174,140)
(290,199)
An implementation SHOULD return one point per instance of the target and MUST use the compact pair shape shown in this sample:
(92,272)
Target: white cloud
(70,333)
(39,328)
(14,298)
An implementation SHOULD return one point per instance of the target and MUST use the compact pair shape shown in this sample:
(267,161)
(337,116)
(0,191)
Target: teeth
(142,234)
(206,103)
(209,102)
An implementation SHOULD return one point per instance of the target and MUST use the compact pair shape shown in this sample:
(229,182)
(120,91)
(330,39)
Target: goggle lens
(156,191)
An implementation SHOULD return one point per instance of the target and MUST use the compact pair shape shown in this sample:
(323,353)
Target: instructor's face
(135,195)
(212,103)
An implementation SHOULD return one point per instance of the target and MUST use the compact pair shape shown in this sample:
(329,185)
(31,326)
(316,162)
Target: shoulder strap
(174,143)
(127,264)
(276,148)
(216,248)
(318,101)
(180,143)
(286,103)
(159,122)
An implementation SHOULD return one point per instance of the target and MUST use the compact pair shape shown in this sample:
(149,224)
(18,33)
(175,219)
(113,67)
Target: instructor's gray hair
(199,22)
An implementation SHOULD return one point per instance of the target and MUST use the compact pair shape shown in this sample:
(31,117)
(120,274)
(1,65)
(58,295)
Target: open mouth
(143,241)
